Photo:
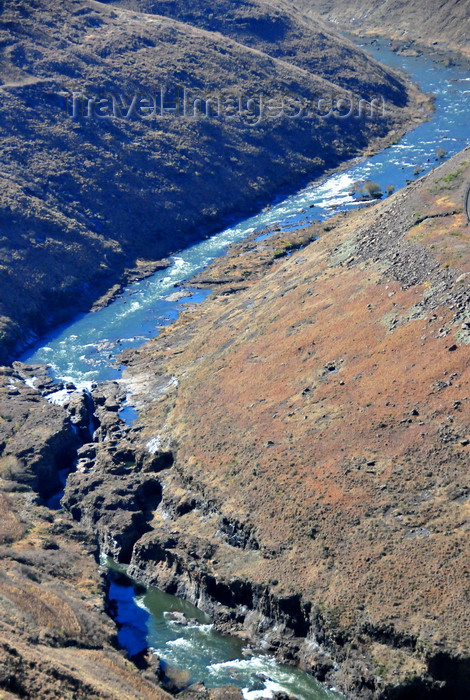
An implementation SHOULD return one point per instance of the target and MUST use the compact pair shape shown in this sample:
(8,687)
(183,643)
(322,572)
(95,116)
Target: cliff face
(299,468)
(318,423)
(441,24)
(56,640)
(99,185)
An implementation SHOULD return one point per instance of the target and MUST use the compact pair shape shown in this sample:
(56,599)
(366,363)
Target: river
(183,637)
(85,351)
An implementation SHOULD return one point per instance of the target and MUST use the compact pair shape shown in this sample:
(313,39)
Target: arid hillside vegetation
(99,186)
(439,24)
(318,414)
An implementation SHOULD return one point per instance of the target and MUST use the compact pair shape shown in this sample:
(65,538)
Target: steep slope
(319,424)
(99,187)
(441,24)
(55,639)
(282,32)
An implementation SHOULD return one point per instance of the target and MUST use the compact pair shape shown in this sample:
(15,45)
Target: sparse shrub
(372,189)
(440,153)
(356,189)
(451,176)
(176,678)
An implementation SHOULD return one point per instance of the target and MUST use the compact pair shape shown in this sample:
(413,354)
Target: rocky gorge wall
(56,639)
(235,489)
(305,479)
(57,636)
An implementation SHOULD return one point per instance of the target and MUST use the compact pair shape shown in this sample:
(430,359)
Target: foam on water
(86,351)
(267,692)
(182,636)
(59,397)
(180,642)
(140,312)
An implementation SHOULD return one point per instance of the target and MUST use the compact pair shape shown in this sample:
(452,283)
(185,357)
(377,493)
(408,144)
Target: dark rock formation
(108,499)
(37,439)
(55,639)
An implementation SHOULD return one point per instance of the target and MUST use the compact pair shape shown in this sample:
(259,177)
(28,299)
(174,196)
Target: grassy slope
(442,24)
(284,33)
(325,409)
(82,201)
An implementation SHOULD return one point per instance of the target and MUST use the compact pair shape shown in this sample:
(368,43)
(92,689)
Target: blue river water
(85,350)
(183,638)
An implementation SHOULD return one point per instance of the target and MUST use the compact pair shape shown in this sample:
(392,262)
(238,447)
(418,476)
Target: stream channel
(85,351)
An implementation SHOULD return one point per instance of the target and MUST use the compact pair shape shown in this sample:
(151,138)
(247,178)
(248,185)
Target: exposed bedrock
(234,490)
(56,639)
(114,490)
(37,439)
(318,499)
(178,556)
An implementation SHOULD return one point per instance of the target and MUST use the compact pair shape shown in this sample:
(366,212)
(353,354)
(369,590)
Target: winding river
(85,351)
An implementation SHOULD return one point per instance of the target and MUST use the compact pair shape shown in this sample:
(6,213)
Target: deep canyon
(289,450)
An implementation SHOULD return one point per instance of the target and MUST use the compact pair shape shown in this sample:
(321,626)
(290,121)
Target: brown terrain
(88,201)
(317,411)
(443,25)
(299,468)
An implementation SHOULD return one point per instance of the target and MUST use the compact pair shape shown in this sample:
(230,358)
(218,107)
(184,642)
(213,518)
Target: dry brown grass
(11,527)
(354,481)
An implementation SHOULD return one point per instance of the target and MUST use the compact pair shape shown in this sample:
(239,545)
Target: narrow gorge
(239,468)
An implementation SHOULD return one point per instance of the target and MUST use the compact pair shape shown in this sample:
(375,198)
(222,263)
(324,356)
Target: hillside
(299,468)
(285,34)
(440,24)
(89,201)
(316,409)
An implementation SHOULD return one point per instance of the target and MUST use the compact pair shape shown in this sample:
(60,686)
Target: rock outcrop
(304,476)
(318,421)
(56,639)
(37,439)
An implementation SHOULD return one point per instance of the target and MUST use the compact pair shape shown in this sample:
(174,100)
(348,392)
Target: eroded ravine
(120,507)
